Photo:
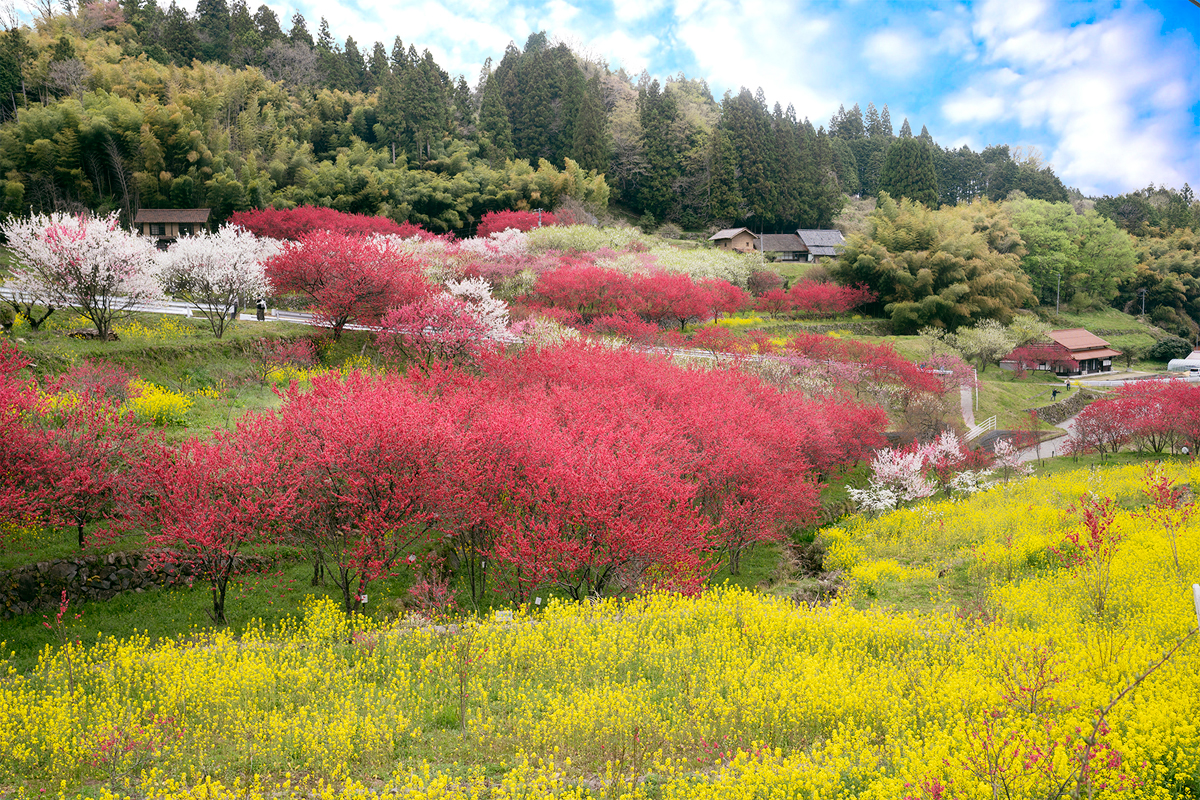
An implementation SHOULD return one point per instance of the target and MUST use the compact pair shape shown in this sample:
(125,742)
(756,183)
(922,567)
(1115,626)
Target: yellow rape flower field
(728,695)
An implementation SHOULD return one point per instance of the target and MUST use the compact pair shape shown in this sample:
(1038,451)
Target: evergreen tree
(267,24)
(885,121)
(400,60)
(872,122)
(212,23)
(330,61)
(11,80)
(905,130)
(356,65)
(464,109)
(749,130)
(724,199)
(658,114)
(299,33)
(909,172)
(851,126)
(790,159)
(179,36)
(925,136)
(589,147)
(845,166)
(493,124)
(542,88)
(378,68)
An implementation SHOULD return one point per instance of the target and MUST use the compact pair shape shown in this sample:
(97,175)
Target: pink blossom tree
(89,263)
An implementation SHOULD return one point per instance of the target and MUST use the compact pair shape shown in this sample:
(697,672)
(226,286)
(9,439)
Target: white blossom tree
(88,263)
(217,272)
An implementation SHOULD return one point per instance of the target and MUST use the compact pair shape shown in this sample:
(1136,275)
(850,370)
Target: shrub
(1169,348)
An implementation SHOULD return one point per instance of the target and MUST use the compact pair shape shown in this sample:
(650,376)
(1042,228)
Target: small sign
(537,601)
(362,599)
(412,557)
(504,616)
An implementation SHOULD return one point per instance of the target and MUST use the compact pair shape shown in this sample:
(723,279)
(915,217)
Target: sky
(1106,91)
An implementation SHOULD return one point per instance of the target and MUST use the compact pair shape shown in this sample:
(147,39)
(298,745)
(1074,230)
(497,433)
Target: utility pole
(1057,291)
(1142,292)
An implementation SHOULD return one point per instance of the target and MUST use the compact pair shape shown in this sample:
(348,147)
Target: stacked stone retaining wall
(37,587)
(1055,413)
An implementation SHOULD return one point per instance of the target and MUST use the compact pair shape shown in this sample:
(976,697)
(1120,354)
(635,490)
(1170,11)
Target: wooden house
(167,224)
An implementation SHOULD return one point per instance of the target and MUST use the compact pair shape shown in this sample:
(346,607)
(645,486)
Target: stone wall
(38,587)
(1063,409)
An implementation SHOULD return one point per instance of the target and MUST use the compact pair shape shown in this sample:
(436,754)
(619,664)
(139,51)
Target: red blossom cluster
(496,221)
(814,299)
(348,278)
(1150,415)
(581,292)
(295,223)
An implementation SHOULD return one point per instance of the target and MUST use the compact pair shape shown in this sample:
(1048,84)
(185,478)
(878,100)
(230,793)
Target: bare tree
(69,76)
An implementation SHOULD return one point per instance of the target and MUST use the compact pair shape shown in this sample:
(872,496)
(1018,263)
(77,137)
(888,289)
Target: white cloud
(754,43)
(896,53)
(634,10)
(1111,93)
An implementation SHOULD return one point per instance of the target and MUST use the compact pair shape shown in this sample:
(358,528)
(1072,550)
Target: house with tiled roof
(167,224)
(1073,351)
(803,245)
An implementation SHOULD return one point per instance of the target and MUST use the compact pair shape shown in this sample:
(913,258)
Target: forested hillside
(121,105)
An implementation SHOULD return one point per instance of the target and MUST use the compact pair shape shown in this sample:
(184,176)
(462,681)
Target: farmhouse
(1073,351)
(802,245)
(168,224)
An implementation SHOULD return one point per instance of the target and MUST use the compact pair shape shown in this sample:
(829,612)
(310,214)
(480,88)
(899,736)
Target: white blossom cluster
(89,263)
(491,312)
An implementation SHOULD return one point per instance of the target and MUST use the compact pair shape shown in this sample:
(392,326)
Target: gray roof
(782,243)
(729,233)
(822,243)
(171,215)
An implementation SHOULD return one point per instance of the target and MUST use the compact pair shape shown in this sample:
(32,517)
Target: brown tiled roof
(782,243)
(822,242)
(1079,339)
(729,233)
(194,215)
(1099,352)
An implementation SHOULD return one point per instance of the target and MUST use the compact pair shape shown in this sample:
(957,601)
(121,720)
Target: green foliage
(908,172)
(943,268)
(1088,251)
(1169,348)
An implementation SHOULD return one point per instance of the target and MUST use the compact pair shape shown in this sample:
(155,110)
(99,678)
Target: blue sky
(1109,92)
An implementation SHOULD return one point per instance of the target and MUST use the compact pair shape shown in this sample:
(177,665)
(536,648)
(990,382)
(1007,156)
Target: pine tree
(872,122)
(749,130)
(724,199)
(925,136)
(909,172)
(299,33)
(493,123)
(589,147)
(356,65)
(212,22)
(905,130)
(658,114)
(267,24)
(400,60)
(885,121)
(377,69)
(851,126)
(179,36)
